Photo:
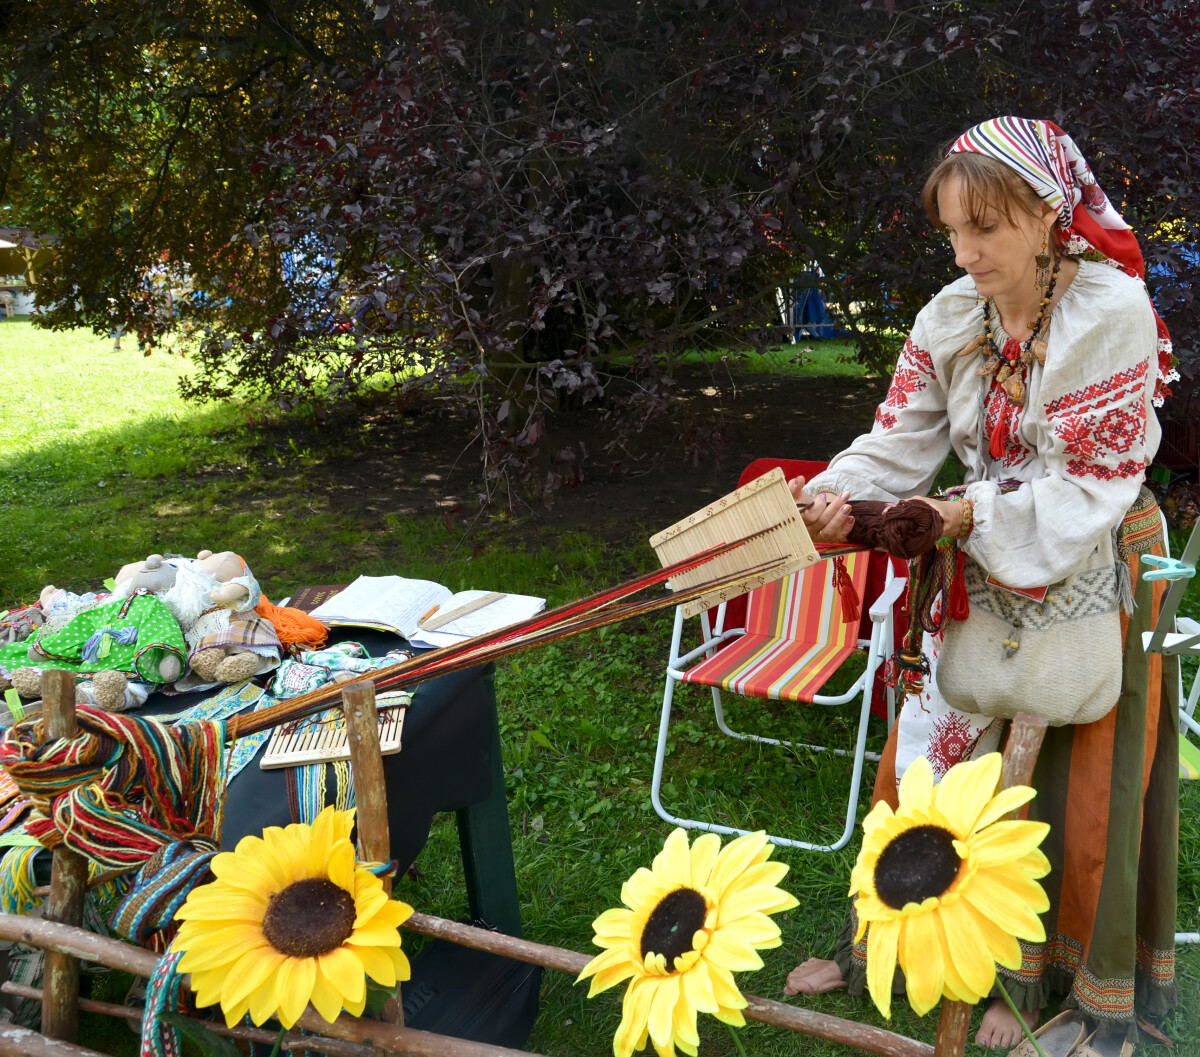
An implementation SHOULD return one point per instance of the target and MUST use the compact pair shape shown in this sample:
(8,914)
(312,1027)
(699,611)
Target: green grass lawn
(100,464)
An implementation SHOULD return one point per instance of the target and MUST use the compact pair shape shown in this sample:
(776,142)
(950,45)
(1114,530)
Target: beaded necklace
(1011,364)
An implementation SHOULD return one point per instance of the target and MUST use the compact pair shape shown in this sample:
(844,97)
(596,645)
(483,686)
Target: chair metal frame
(1168,638)
(878,647)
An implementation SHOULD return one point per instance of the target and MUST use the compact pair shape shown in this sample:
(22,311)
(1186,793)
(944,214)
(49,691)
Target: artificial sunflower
(946,886)
(291,919)
(693,920)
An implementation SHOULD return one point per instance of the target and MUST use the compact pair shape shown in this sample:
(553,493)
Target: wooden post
(1025,735)
(370,792)
(68,877)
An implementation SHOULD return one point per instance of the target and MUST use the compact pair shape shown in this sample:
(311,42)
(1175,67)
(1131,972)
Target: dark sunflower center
(672,924)
(308,918)
(918,863)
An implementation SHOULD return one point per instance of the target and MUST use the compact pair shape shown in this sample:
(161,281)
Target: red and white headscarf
(1048,160)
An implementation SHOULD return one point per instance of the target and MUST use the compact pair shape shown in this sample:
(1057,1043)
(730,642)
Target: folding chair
(1177,635)
(784,644)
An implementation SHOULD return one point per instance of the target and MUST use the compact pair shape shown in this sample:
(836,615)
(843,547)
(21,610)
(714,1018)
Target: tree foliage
(516,202)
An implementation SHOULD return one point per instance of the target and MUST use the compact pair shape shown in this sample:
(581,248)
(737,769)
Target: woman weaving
(1039,369)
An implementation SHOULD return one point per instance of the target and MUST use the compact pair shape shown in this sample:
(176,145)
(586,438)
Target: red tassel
(851,604)
(959,605)
(997,445)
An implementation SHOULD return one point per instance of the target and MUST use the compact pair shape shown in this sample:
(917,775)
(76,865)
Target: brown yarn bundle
(906,529)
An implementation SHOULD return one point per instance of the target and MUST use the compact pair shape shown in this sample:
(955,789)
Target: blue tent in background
(805,312)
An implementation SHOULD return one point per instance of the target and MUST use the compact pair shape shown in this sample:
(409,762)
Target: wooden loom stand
(370,793)
(1025,736)
(68,877)
(71,942)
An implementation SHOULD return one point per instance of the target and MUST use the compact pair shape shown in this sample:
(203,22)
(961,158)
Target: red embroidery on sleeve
(913,363)
(1096,432)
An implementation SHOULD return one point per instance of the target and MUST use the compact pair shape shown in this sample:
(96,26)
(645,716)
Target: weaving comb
(306,741)
(765,509)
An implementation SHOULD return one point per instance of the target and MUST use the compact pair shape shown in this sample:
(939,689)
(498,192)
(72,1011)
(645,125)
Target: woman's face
(997,253)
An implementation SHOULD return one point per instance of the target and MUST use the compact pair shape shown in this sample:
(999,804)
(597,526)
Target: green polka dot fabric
(129,635)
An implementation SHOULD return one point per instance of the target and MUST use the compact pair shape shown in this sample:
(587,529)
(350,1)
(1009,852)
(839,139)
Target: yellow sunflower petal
(756,929)
(234,1015)
(1003,802)
(756,900)
(916,787)
(727,949)
(662,1009)
(965,790)
(248,973)
(1013,903)
(207,986)
(725,991)
(220,947)
(356,1008)
(345,972)
(287,850)
(341,864)
(606,969)
(683,1028)
(615,924)
(698,990)
(760,875)
(704,856)
(1002,946)
(882,943)
(375,934)
(735,857)
(394,913)
(673,864)
(228,905)
(294,985)
(635,1015)
(379,967)
(730,1016)
(326,999)
(320,839)
(967,950)
(368,904)
(1004,842)
(400,964)
(253,872)
(642,887)
(921,957)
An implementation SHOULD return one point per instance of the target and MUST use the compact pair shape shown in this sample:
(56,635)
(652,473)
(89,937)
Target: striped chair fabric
(796,637)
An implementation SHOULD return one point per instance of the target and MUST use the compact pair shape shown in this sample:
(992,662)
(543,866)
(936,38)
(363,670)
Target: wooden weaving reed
(763,510)
(588,614)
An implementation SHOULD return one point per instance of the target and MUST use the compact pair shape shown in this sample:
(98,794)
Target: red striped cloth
(796,637)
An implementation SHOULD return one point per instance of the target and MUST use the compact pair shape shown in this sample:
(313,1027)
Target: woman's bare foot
(814,977)
(1000,1027)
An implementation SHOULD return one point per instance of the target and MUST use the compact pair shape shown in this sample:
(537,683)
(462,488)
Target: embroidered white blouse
(1084,437)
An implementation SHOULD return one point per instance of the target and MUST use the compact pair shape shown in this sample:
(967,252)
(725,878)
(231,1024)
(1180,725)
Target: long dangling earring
(1042,260)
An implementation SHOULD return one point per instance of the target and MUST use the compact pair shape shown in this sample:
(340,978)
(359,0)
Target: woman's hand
(827,517)
(951,514)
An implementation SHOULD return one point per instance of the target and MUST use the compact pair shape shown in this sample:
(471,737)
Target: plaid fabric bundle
(246,630)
